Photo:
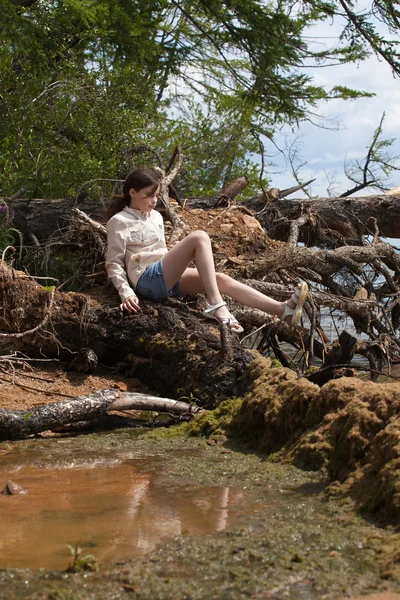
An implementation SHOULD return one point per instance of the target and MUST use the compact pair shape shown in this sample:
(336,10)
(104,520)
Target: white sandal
(209,312)
(299,297)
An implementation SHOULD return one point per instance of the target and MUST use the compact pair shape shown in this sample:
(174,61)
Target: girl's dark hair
(138,179)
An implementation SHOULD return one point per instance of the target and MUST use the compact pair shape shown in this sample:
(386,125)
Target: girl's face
(145,199)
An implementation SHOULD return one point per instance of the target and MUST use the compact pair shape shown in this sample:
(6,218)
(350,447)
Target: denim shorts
(151,284)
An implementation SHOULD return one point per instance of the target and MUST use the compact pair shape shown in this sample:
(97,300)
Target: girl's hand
(130,304)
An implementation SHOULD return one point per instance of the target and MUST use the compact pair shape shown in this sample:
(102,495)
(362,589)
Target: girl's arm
(115,261)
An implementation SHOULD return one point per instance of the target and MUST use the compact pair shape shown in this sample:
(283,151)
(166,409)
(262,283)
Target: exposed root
(42,323)
(4,253)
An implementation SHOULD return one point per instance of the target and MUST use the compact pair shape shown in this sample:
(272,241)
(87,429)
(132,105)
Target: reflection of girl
(139,263)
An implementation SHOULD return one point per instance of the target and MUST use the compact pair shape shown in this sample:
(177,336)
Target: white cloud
(355,120)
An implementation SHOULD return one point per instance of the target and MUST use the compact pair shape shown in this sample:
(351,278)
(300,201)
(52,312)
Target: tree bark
(349,218)
(16,423)
(326,263)
(42,218)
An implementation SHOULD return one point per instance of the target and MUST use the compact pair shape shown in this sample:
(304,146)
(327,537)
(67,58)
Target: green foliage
(85,81)
(63,266)
(217,144)
(69,102)
(80,563)
(59,264)
(189,397)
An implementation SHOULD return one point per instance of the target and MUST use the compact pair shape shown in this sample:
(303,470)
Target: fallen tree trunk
(348,218)
(38,218)
(333,221)
(16,423)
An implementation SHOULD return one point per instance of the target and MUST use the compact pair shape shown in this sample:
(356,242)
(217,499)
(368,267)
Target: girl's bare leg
(191,283)
(195,247)
(203,279)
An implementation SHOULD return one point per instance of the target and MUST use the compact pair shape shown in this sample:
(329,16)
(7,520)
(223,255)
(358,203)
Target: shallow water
(113,506)
(333,326)
(171,518)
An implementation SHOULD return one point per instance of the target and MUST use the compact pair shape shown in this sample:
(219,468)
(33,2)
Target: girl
(140,265)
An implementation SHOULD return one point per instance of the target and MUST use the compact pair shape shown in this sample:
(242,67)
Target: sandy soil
(42,383)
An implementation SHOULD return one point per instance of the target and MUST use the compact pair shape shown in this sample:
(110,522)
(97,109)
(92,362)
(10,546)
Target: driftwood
(269,332)
(175,164)
(323,268)
(331,222)
(15,423)
(340,354)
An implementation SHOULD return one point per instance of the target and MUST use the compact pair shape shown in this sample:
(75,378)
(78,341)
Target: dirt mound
(237,237)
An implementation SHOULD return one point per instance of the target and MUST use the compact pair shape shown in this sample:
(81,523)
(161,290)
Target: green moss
(157,344)
(276,364)
(257,366)
(215,422)
(168,433)
(349,427)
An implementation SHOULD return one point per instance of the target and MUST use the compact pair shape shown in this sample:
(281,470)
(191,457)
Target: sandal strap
(287,311)
(296,295)
(211,308)
(228,320)
(298,298)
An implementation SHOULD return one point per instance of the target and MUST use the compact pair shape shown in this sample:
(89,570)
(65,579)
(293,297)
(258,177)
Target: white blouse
(135,241)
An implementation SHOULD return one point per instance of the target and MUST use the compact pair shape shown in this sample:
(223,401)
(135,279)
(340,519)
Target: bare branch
(296,188)
(295,229)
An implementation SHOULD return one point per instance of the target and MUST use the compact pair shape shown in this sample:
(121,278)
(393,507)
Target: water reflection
(111,507)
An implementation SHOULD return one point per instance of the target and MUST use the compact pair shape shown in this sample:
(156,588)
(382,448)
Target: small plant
(56,593)
(7,232)
(80,563)
(190,398)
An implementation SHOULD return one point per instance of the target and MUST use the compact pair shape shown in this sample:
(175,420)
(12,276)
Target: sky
(349,125)
(325,151)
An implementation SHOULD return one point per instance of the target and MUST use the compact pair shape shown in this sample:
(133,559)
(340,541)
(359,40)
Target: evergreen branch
(372,39)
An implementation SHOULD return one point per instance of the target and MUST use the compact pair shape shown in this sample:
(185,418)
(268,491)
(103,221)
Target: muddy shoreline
(297,542)
(318,466)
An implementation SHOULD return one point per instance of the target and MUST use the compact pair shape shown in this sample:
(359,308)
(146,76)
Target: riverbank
(304,464)
(288,539)
(348,428)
